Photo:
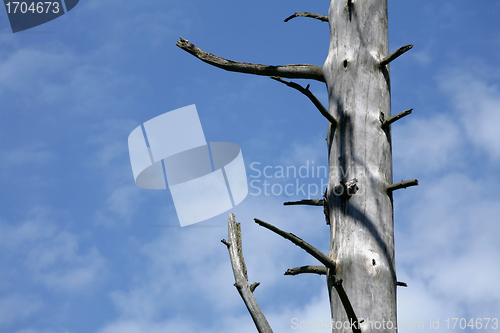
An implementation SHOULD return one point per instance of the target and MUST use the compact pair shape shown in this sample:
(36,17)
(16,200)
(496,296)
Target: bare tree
(358,203)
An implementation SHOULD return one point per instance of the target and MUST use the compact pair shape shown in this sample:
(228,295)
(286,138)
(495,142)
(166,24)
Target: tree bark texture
(360,216)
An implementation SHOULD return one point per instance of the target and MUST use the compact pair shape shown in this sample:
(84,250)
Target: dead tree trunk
(360,265)
(360,215)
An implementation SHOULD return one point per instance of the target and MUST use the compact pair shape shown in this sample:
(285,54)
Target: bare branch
(401,284)
(308,202)
(324,259)
(320,17)
(388,122)
(395,54)
(302,71)
(347,305)
(240,276)
(311,96)
(402,184)
(321,270)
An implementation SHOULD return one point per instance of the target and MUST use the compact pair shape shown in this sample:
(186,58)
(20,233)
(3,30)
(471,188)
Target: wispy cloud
(51,255)
(185,271)
(446,228)
(17,307)
(36,153)
(456,218)
(110,158)
(427,145)
(476,98)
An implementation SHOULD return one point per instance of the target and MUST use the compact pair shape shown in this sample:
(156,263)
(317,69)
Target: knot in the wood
(381,117)
(346,188)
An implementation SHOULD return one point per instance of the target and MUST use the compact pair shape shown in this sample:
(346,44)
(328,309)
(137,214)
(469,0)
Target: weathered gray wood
(320,17)
(240,275)
(361,225)
(303,71)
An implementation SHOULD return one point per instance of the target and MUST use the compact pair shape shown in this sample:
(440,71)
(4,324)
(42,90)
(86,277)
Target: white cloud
(297,154)
(427,145)
(122,22)
(19,68)
(315,310)
(424,57)
(67,82)
(17,307)
(31,330)
(477,100)
(38,153)
(418,304)
(51,255)
(448,247)
(122,197)
(446,234)
(186,271)
(43,261)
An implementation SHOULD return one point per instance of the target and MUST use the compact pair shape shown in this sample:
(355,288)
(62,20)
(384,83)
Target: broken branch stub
(307,202)
(320,270)
(394,55)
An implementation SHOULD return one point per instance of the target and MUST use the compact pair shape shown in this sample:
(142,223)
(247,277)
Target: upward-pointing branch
(233,244)
(320,17)
(395,54)
(402,184)
(303,71)
(388,122)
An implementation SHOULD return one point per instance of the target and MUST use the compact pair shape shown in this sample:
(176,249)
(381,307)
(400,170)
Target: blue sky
(83,249)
